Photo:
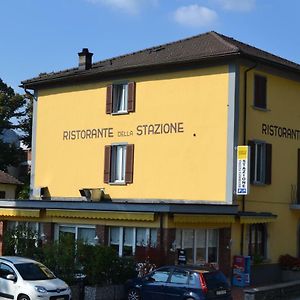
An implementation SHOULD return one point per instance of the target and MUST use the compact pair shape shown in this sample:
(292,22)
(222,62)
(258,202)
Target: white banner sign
(242,181)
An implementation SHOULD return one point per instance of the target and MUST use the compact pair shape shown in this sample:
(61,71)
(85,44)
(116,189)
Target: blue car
(180,283)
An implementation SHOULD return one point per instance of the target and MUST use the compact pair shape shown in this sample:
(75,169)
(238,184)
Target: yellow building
(140,152)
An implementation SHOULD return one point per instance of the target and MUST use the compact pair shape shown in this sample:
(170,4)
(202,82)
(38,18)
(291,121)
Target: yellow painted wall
(283,109)
(10,190)
(188,166)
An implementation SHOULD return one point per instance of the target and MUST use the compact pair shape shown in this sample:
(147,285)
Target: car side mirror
(11,277)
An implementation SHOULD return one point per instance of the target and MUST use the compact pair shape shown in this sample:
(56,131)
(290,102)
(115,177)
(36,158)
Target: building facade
(140,152)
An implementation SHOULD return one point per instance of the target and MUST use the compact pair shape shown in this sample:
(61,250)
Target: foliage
(21,241)
(145,267)
(288,262)
(100,264)
(25,123)
(15,113)
(105,267)
(257,259)
(24,192)
(59,256)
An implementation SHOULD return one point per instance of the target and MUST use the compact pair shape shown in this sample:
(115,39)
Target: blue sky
(46,35)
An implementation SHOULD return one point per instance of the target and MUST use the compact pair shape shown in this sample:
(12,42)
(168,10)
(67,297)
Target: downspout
(161,240)
(244,143)
(27,92)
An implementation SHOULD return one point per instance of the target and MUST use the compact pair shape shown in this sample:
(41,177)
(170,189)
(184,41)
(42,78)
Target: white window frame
(120,98)
(180,244)
(76,227)
(118,163)
(134,235)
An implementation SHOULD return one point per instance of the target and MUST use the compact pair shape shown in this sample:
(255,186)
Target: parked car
(26,279)
(180,283)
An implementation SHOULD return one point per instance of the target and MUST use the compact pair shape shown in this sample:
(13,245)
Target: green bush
(21,241)
(100,264)
(59,256)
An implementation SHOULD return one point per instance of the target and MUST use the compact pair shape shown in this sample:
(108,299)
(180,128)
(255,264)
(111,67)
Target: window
(257,240)
(118,164)
(179,277)
(5,270)
(126,239)
(146,237)
(120,98)
(2,194)
(77,232)
(260,91)
(160,276)
(261,162)
(201,245)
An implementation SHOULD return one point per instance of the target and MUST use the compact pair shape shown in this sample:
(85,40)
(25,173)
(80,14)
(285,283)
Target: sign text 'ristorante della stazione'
(109,132)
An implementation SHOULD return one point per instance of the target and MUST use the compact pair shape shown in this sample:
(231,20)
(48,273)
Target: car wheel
(23,297)
(133,294)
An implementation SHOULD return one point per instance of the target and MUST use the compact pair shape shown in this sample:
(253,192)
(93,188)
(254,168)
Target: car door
(7,286)
(154,284)
(177,286)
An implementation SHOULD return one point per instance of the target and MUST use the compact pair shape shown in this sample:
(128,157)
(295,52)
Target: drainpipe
(161,240)
(244,143)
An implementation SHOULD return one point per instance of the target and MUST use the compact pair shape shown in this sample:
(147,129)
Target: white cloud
(237,5)
(195,16)
(128,6)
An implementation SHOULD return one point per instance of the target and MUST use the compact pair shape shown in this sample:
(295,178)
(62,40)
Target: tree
(25,123)
(12,110)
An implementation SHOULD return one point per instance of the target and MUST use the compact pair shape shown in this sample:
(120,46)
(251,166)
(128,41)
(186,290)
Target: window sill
(118,183)
(125,112)
(259,183)
(260,108)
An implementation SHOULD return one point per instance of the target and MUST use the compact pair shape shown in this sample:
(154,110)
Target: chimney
(85,59)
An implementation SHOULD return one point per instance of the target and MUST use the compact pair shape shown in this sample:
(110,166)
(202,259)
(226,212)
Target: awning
(10,212)
(108,215)
(256,217)
(189,218)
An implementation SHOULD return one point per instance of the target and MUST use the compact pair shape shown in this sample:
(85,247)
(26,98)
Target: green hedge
(100,264)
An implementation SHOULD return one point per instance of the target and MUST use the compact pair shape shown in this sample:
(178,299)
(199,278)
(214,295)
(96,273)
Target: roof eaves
(95,73)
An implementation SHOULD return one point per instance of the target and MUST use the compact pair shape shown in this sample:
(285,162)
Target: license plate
(222,292)
(60,298)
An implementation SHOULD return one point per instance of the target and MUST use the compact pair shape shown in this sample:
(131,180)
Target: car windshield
(215,279)
(34,271)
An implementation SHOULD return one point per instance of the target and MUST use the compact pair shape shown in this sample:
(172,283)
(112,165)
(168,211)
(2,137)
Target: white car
(26,279)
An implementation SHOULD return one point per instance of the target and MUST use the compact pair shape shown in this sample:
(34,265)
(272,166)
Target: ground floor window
(126,239)
(257,240)
(24,234)
(200,245)
(86,234)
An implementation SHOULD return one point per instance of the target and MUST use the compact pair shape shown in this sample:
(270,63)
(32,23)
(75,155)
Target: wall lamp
(94,194)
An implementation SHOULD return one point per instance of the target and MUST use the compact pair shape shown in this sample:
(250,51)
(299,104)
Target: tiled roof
(211,45)
(8,179)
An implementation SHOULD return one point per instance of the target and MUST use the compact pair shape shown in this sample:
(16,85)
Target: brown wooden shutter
(129,163)
(131,97)
(107,155)
(260,91)
(252,160)
(109,99)
(268,166)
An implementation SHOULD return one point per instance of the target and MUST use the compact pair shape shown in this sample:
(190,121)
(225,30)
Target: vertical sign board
(242,180)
